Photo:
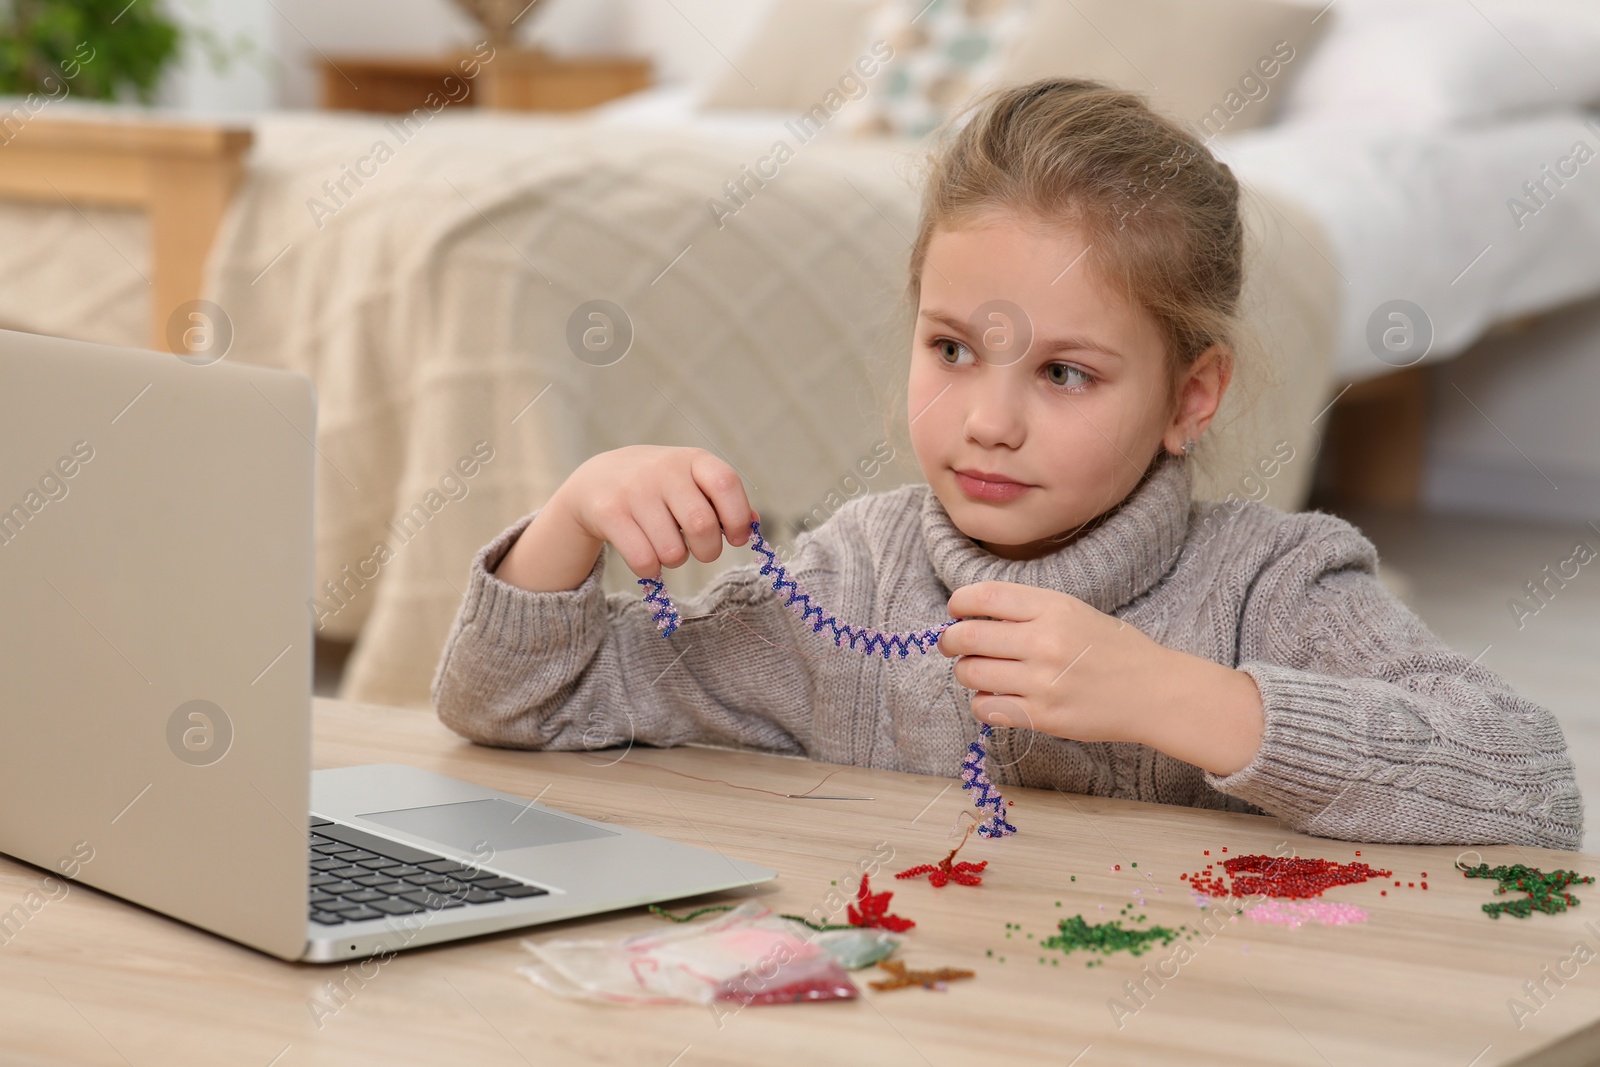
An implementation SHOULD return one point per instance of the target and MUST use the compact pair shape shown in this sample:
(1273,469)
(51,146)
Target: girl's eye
(1066,375)
(950,351)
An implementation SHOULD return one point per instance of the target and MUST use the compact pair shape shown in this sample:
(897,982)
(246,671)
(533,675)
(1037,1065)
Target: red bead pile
(1280,876)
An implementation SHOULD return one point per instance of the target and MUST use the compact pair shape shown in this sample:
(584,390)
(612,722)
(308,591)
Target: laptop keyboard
(357,876)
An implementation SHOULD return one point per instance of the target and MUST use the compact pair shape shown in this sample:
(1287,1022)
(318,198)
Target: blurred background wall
(1545,404)
(682,38)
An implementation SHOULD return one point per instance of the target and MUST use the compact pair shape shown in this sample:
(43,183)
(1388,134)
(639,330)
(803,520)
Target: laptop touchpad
(504,825)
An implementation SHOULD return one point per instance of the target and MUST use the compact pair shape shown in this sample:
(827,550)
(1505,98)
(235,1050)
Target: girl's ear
(1200,393)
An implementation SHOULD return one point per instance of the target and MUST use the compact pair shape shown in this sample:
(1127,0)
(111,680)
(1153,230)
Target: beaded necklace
(973,775)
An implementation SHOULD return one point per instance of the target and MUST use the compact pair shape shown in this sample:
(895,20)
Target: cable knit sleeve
(580,669)
(1376,730)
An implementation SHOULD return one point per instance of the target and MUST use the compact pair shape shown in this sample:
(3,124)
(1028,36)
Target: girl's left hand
(1045,660)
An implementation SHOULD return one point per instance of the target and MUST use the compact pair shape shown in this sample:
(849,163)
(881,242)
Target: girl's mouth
(982,485)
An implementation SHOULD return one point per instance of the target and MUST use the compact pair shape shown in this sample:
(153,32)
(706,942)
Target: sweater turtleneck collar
(1115,562)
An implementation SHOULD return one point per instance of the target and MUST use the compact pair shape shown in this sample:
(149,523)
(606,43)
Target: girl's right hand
(658,505)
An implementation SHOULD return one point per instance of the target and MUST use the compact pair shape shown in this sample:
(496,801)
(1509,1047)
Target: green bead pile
(1545,891)
(1107,937)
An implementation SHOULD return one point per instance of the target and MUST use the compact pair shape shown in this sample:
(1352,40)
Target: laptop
(156,637)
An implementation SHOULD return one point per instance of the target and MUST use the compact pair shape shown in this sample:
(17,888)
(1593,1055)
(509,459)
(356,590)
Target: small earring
(1188,446)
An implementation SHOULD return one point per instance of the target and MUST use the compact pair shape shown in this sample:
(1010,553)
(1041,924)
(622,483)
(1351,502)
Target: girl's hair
(1159,214)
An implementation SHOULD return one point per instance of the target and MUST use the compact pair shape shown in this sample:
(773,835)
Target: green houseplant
(103,49)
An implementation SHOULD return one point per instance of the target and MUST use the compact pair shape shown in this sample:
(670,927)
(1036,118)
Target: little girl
(1075,333)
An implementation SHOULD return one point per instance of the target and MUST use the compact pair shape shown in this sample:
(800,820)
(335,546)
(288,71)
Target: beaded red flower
(872,909)
(965,873)
(947,869)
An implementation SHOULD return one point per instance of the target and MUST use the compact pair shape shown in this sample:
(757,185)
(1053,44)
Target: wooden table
(1427,980)
(525,80)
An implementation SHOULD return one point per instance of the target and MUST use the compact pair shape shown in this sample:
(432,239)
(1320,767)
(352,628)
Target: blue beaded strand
(871,641)
(667,618)
(973,776)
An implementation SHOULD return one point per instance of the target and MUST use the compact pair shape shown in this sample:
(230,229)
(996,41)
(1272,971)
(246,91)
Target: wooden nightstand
(182,175)
(513,81)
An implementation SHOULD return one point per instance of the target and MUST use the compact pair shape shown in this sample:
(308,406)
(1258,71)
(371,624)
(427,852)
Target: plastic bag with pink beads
(747,956)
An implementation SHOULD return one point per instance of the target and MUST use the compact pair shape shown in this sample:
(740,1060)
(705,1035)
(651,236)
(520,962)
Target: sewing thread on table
(809,794)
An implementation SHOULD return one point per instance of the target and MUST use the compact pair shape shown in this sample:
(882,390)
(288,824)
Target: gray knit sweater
(1375,729)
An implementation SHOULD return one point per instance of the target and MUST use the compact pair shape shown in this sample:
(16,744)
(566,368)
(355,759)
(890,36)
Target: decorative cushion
(944,52)
(1216,64)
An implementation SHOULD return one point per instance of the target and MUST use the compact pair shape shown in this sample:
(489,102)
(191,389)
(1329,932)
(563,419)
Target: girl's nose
(995,415)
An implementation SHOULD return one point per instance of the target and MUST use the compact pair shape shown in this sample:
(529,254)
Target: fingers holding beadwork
(985,637)
(666,540)
(696,519)
(615,522)
(1002,709)
(997,600)
(617,496)
(722,487)
(990,675)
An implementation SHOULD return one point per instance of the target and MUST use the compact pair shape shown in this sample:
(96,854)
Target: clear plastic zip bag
(747,956)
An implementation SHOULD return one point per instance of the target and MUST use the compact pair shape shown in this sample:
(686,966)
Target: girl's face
(1037,397)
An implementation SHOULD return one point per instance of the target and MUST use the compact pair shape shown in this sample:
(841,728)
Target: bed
(1424,216)
(431,308)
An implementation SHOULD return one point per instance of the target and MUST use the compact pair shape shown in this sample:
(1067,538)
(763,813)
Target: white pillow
(1439,62)
(1216,64)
